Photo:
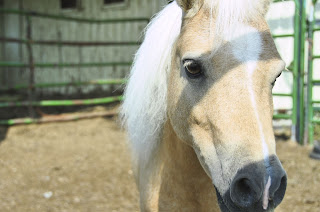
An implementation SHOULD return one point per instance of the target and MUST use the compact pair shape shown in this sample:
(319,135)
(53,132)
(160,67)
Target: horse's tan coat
(212,131)
(178,182)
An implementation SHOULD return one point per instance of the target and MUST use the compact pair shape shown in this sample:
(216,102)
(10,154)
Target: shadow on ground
(3,133)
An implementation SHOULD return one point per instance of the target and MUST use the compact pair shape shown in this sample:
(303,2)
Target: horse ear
(186,4)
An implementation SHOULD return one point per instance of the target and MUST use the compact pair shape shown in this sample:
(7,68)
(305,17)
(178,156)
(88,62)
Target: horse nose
(278,186)
(251,187)
(245,191)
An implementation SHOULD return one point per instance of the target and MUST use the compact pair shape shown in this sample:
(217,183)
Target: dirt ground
(85,166)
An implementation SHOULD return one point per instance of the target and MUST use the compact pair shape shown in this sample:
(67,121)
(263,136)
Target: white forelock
(143,111)
(229,12)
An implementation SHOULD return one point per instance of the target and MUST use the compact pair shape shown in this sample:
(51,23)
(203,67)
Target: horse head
(223,67)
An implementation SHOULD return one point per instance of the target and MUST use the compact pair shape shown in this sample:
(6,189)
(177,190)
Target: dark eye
(276,79)
(192,68)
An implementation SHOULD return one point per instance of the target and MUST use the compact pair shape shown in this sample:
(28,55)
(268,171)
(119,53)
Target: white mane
(144,107)
(229,12)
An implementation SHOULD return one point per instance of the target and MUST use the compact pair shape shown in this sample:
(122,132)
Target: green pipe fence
(61,84)
(282,94)
(54,103)
(14,122)
(301,119)
(32,65)
(283,36)
(276,1)
(296,72)
(74,19)
(61,65)
(311,83)
(57,118)
(69,43)
(31,91)
(282,116)
(296,113)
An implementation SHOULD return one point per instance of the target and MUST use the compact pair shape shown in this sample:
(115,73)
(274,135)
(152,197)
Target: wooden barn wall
(49,29)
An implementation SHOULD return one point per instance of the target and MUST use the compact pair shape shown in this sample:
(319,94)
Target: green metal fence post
(311,82)
(300,27)
(295,75)
(31,65)
(302,70)
(309,111)
(294,68)
(31,90)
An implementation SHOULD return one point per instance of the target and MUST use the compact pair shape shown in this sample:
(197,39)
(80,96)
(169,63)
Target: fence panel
(32,47)
(288,33)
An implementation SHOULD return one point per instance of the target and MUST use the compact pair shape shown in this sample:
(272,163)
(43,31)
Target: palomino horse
(198,109)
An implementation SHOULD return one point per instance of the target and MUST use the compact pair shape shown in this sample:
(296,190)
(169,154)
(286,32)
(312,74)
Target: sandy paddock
(85,166)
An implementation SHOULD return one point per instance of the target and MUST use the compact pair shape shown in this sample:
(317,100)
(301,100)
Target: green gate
(32,65)
(312,104)
(297,70)
(301,116)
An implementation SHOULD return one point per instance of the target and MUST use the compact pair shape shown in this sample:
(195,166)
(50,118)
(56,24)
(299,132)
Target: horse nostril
(257,187)
(279,192)
(244,193)
(243,187)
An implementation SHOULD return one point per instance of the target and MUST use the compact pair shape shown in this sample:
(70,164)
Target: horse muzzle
(255,188)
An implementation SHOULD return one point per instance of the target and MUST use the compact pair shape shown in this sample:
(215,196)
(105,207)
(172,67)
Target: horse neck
(184,184)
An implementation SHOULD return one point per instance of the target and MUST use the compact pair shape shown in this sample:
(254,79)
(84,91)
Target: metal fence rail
(61,84)
(311,82)
(69,43)
(73,19)
(51,103)
(61,65)
(297,73)
(31,65)
(296,114)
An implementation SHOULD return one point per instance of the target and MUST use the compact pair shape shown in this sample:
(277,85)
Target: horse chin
(225,206)
(222,204)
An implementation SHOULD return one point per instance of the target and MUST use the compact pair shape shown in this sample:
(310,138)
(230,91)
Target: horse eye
(192,68)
